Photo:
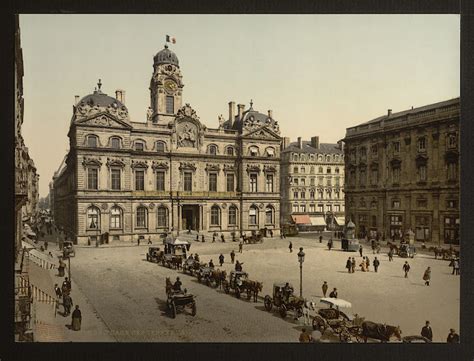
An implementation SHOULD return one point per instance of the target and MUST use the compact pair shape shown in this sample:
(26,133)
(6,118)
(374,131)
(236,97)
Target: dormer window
(230,151)
(212,150)
(160,146)
(270,152)
(253,151)
(140,146)
(92,141)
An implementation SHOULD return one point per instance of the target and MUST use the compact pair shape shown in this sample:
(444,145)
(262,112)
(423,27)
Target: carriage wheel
(193,309)
(268,303)
(173,309)
(319,324)
(282,311)
(237,292)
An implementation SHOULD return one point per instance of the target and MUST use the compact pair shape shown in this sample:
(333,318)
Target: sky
(320,74)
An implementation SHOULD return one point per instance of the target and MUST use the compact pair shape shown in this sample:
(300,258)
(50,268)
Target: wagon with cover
(284,300)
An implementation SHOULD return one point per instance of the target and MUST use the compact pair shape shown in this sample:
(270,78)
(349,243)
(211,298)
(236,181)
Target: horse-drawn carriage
(284,299)
(191,266)
(211,276)
(178,300)
(445,254)
(255,237)
(236,283)
(343,324)
(154,255)
(175,252)
(406,250)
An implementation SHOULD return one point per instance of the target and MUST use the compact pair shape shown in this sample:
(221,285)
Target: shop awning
(301,219)
(318,221)
(339,221)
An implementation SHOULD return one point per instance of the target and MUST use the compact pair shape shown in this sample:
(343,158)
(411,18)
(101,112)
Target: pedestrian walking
(360,250)
(349,265)
(138,241)
(58,292)
(233,237)
(330,243)
(427,332)
(320,239)
(67,304)
(291,247)
(390,255)
(221,259)
(76,319)
(211,264)
(241,246)
(453,337)
(372,242)
(61,268)
(213,238)
(353,265)
(202,239)
(333,293)
(427,276)
(367,263)
(232,256)
(46,245)
(324,288)
(222,237)
(456,266)
(238,266)
(271,233)
(376,264)
(406,268)
(304,336)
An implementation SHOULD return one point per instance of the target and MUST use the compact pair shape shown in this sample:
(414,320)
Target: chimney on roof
(341,145)
(120,95)
(389,112)
(285,142)
(412,107)
(231,113)
(240,111)
(315,142)
(76,99)
(270,114)
(300,143)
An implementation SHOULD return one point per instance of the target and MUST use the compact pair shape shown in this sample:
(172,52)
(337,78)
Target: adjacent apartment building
(402,173)
(312,184)
(128,179)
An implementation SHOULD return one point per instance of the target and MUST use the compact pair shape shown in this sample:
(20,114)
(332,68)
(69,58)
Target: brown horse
(393,247)
(218,276)
(252,288)
(379,331)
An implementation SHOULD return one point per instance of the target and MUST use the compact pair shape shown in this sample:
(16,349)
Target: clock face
(170,86)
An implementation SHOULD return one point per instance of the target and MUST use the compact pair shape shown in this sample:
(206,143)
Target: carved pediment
(111,162)
(91,161)
(139,164)
(253,168)
(421,159)
(229,168)
(395,162)
(159,166)
(212,167)
(269,168)
(261,132)
(103,119)
(187,112)
(187,166)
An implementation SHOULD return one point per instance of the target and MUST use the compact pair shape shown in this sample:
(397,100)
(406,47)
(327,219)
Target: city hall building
(128,179)
(402,173)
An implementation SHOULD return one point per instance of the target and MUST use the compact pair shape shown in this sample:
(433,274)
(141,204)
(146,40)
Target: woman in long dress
(76,319)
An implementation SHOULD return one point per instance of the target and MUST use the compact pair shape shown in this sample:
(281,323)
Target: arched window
(320,158)
(115,143)
(93,218)
(215,216)
(115,217)
(270,152)
(269,215)
(328,158)
(213,149)
(253,215)
(253,151)
(295,169)
(230,151)
(160,146)
(337,170)
(162,217)
(139,145)
(311,170)
(320,170)
(295,157)
(232,215)
(303,170)
(142,217)
(92,141)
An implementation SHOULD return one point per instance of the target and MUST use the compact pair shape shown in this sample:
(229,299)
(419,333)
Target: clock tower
(166,87)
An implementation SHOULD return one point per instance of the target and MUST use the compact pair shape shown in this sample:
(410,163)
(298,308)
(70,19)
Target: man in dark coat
(177,285)
(241,246)
(406,268)
(349,265)
(376,264)
(333,293)
(211,264)
(453,337)
(427,332)
(58,291)
(290,246)
(67,303)
(238,266)
(324,288)
(222,238)
(390,255)
(221,259)
(320,239)
(202,239)
(360,250)
(232,256)
(353,265)
(76,319)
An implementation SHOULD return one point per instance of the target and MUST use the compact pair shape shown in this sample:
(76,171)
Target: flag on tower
(170,39)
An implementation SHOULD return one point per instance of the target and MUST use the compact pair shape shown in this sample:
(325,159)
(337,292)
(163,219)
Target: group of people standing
(65,293)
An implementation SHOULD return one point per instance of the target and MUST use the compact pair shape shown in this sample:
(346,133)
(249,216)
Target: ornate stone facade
(312,184)
(402,174)
(171,173)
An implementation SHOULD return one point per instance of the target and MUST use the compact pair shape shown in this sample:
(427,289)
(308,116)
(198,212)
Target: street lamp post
(301,260)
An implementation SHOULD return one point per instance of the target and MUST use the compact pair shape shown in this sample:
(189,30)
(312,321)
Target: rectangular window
(92,178)
(303,195)
(396,175)
(302,181)
(269,183)
(320,194)
(312,208)
(329,182)
(396,147)
(139,146)
(312,181)
(452,171)
(139,180)
(396,220)
(295,170)
(374,150)
(115,178)
(212,182)
(452,141)
(396,204)
(295,194)
(422,173)
(337,208)
(374,221)
(452,204)
(188,181)
(320,181)
(230,182)
(336,195)
(320,208)
(422,144)
(169,104)
(253,182)
(303,208)
(295,181)
(295,208)
(421,203)
(337,182)
(252,216)
(363,177)
(160,181)
(375,176)
(329,208)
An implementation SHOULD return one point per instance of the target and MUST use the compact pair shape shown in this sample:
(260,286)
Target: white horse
(308,306)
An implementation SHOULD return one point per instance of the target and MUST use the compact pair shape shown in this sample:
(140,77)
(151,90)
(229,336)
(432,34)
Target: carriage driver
(287,290)
(177,285)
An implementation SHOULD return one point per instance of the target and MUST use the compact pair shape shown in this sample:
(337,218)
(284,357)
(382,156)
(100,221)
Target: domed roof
(101,99)
(166,56)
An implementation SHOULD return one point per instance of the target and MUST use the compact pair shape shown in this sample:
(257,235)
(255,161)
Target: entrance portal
(190,217)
